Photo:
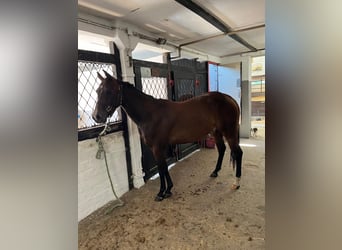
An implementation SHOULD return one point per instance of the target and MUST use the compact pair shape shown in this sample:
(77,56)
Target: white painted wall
(94,189)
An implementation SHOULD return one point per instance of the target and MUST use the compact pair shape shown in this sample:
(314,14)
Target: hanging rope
(98,156)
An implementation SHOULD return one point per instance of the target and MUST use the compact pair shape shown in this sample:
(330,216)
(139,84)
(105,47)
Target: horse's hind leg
(221,148)
(236,154)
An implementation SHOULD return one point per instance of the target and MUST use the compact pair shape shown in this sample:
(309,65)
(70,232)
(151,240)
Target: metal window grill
(202,86)
(88,82)
(155,86)
(258,86)
(185,89)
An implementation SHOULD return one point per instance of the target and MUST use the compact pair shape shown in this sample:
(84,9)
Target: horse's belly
(190,132)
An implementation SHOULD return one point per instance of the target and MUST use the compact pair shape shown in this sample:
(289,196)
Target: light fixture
(161,41)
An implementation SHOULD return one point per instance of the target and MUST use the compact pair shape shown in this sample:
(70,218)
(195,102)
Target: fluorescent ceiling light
(154,27)
(100,9)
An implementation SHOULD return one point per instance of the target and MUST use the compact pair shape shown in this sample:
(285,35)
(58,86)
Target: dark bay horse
(162,122)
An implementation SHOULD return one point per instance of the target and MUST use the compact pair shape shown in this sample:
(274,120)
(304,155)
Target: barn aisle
(203,212)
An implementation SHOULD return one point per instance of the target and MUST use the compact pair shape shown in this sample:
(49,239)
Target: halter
(118,99)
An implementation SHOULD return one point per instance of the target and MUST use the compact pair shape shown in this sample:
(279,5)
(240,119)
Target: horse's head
(109,97)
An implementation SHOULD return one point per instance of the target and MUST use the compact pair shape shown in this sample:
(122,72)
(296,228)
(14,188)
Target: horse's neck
(134,102)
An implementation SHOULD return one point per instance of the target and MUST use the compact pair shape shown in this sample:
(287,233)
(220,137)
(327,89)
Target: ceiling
(217,27)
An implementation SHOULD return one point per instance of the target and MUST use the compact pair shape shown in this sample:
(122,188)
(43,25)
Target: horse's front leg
(159,154)
(169,183)
(164,175)
(160,196)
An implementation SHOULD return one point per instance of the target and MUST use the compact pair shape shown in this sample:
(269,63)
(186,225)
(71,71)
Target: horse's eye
(99,88)
(109,108)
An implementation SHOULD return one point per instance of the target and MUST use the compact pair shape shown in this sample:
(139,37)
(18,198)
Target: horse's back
(211,103)
(203,114)
(218,102)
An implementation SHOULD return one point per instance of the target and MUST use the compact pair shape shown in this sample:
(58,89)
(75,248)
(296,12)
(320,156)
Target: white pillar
(126,45)
(246,97)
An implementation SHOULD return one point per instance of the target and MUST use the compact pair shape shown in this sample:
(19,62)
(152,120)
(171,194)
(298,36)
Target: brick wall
(94,189)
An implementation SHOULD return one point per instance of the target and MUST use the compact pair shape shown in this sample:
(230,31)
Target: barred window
(88,82)
(155,86)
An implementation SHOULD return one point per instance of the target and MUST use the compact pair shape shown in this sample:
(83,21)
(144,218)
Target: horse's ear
(107,74)
(100,76)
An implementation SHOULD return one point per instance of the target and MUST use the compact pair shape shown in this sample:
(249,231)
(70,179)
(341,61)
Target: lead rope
(98,156)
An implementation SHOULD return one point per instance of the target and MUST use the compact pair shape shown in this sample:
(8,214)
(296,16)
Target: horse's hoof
(159,198)
(213,174)
(235,187)
(167,195)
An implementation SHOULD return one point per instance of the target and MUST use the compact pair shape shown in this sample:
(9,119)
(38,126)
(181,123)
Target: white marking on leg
(237,181)
(236,184)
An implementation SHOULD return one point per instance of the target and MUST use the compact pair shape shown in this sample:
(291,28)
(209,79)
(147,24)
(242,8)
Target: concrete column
(246,98)
(126,45)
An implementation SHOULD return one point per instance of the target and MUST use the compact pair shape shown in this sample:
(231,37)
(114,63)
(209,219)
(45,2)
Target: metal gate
(191,79)
(175,81)
(152,79)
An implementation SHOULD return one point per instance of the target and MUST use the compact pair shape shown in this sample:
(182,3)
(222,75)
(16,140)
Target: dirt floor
(203,213)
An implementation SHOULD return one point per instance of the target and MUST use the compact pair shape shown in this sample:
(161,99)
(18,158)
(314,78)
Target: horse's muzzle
(98,119)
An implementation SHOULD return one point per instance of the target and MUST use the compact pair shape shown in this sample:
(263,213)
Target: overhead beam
(214,21)
(242,53)
(204,14)
(222,34)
